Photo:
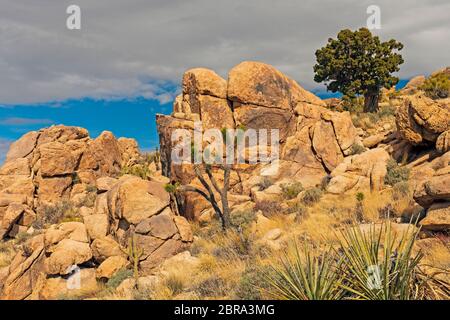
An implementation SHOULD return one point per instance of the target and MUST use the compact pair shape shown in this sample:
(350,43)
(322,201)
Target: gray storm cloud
(138,48)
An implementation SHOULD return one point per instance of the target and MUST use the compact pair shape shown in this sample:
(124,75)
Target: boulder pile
(64,194)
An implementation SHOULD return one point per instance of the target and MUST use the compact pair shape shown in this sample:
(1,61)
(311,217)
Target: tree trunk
(371,101)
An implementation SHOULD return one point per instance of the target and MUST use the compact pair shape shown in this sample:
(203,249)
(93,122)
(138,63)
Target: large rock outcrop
(56,164)
(421,120)
(432,192)
(313,140)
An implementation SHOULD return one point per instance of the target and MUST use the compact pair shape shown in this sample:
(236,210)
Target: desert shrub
(21,237)
(265,183)
(91,188)
(311,196)
(242,218)
(213,286)
(175,283)
(252,283)
(291,190)
(357,149)
(437,86)
(395,173)
(352,104)
(268,208)
(118,278)
(140,170)
(235,244)
(324,182)
(63,211)
(400,190)
(359,196)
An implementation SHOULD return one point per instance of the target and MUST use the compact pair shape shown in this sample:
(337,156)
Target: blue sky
(133,118)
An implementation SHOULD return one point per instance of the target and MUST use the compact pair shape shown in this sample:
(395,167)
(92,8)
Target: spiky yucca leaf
(379,265)
(310,277)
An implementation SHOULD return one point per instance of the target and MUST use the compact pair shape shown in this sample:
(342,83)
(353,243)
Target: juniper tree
(358,63)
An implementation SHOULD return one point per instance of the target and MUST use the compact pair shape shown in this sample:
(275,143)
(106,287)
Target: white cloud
(136,47)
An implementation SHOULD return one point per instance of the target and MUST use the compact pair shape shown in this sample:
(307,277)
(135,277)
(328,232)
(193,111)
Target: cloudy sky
(129,55)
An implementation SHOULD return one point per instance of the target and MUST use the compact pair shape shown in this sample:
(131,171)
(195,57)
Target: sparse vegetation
(357,149)
(63,211)
(311,196)
(268,208)
(118,278)
(395,173)
(265,183)
(437,86)
(291,190)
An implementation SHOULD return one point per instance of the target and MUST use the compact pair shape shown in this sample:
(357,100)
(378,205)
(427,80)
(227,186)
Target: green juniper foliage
(358,63)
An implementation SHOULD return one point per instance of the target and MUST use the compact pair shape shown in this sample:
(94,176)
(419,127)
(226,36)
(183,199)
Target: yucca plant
(303,276)
(379,264)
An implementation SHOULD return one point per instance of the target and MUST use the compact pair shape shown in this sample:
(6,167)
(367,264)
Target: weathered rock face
(313,140)
(52,165)
(365,171)
(59,171)
(433,193)
(420,120)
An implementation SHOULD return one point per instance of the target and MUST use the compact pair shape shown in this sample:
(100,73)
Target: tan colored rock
(62,134)
(258,117)
(260,84)
(131,199)
(130,151)
(97,225)
(215,113)
(103,248)
(25,271)
(110,266)
(56,288)
(443,142)
(201,81)
(20,166)
(66,254)
(168,249)
(437,188)
(365,171)
(437,218)
(54,189)
(57,159)
(103,155)
(184,228)
(374,140)
(12,215)
(105,183)
(22,147)
(421,120)
(327,149)
(75,231)
(160,226)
